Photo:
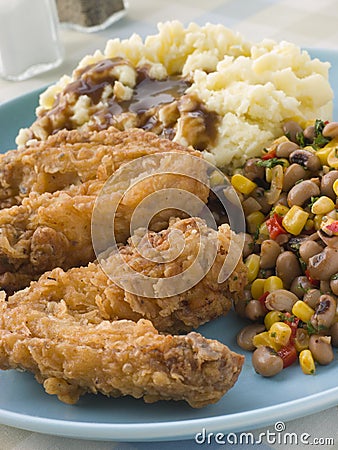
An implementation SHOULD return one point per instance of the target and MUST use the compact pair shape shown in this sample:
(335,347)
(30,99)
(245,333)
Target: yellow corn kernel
(301,340)
(294,220)
(317,221)
(271,318)
(252,263)
(268,174)
(280,333)
(254,220)
(264,339)
(285,162)
(309,225)
(322,206)
(335,187)
(306,362)
(281,210)
(302,310)
(323,153)
(332,158)
(257,288)
(242,184)
(273,283)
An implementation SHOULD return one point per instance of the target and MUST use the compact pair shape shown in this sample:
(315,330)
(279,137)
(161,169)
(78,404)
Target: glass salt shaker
(29,38)
(90,15)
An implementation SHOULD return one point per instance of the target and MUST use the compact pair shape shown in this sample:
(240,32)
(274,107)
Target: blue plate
(253,402)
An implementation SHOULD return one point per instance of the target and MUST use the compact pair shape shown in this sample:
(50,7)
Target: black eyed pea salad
(290,200)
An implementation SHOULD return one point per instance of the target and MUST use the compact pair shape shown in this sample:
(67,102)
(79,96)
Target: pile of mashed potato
(252,88)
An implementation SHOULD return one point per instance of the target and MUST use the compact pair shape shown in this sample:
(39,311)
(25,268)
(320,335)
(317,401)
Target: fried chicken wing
(88,292)
(53,229)
(116,358)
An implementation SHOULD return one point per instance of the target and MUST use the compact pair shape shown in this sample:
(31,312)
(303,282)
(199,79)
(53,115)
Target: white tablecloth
(308,23)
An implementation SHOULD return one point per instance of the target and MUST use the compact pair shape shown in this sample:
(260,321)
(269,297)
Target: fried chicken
(88,292)
(45,231)
(116,358)
(72,157)
(53,229)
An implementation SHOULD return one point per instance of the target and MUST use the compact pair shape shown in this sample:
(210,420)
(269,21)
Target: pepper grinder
(90,16)
(29,38)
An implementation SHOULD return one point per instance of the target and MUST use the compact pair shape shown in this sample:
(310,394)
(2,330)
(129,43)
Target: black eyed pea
(330,130)
(292,174)
(245,336)
(324,287)
(281,300)
(333,331)
(300,285)
(302,192)
(241,302)
(252,171)
(311,298)
(292,129)
(321,349)
(309,133)
(325,312)
(284,149)
(323,265)
(269,254)
(258,194)
(266,361)
(282,238)
(306,159)
(308,249)
(334,284)
(254,310)
(326,184)
(287,268)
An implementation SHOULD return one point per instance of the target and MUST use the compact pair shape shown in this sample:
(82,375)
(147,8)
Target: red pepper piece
(333,226)
(274,225)
(288,353)
(262,299)
(314,282)
(293,325)
(271,154)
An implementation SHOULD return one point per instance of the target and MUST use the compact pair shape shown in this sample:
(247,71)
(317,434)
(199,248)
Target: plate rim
(178,429)
(173,430)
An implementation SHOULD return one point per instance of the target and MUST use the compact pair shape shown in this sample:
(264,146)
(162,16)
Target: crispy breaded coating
(87,292)
(53,229)
(116,358)
(46,231)
(74,157)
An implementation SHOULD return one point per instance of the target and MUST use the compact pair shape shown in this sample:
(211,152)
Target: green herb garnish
(300,138)
(312,201)
(270,163)
(311,329)
(319,140)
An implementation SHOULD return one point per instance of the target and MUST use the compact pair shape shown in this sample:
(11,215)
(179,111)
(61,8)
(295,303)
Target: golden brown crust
(73,157)
(87,292)
(115,358)
(53,229)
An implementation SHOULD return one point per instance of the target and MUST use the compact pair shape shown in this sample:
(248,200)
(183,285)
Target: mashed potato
(249,90)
